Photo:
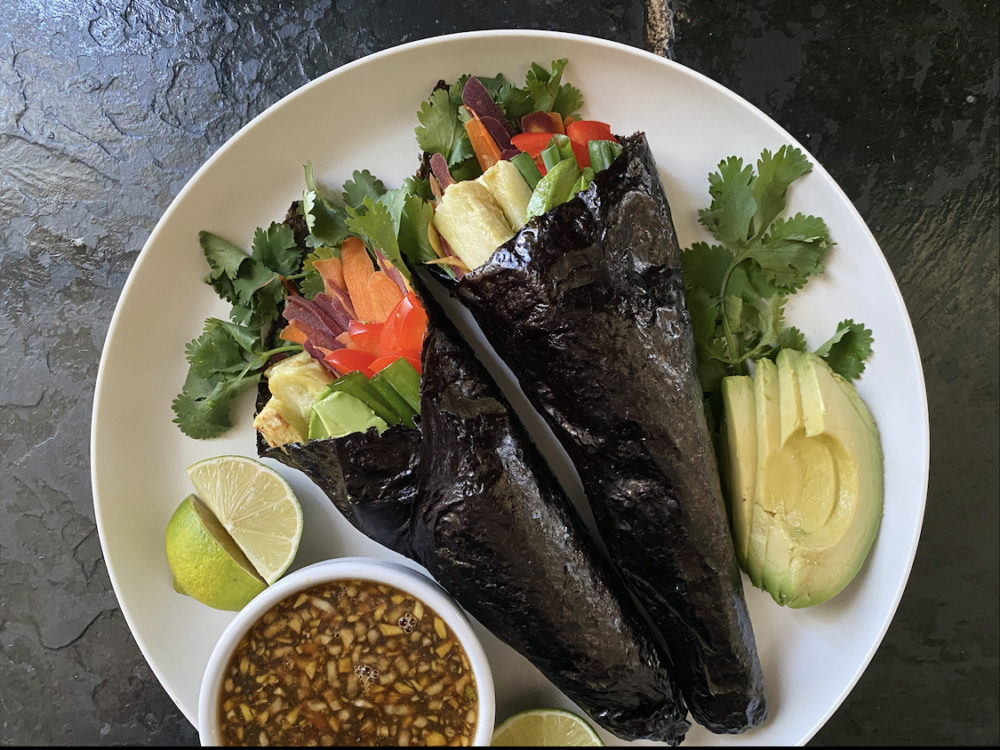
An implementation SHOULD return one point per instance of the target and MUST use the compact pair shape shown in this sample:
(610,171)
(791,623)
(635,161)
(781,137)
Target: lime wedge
(256,506)
(206,563)
(545,727)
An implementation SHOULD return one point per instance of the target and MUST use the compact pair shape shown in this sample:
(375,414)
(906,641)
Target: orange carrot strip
(486,149)
(385,295)
(332,271)
(292,332)
(558,126)
(358,268)
(344,338)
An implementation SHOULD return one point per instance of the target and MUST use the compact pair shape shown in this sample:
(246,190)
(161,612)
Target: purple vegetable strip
(316,337)
(391,271)
(439,168)
(333,309)
(340,297)
(497,130)
(509,153)
(318,356)
(478,99)
(538,121)
(313,322)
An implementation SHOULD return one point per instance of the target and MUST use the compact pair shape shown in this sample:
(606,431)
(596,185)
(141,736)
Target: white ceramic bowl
(345,568)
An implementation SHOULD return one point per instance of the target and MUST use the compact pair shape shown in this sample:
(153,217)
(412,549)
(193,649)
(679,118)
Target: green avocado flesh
(341,414)
(803,470)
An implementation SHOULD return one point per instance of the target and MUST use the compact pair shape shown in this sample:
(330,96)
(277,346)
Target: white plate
(362,116)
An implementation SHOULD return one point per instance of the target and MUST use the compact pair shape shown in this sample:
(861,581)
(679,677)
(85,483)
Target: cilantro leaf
(363,184)
(247,282)
(729,216)
(793,250)
(440,131)
(848,348)
(548,91)
(737,290)
(414,244)
(224,361)
(203,408)
(326,221)
(221,348)
(792,338)
(224,261)
(705,266)
(276,249)
(774,174)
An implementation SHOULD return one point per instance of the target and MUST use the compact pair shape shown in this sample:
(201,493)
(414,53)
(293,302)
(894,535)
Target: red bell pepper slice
(531,143)
(411,329)
(398,326)
(584,131)
(349,360)
(581,132)
(365,336)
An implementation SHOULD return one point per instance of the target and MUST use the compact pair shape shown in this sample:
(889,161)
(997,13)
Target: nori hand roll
(467,495)
(586,306)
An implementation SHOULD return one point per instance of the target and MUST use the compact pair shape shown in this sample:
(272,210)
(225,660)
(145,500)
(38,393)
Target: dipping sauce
(349,663)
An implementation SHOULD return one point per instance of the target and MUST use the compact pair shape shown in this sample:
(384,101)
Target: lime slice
(256,506)
(206,562)
(545,727)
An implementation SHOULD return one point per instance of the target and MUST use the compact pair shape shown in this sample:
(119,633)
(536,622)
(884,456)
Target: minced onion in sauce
(349,663)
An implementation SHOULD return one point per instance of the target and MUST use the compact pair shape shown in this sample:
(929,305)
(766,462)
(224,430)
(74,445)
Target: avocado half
(804,477)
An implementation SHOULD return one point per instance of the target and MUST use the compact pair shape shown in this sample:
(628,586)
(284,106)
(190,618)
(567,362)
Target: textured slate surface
(107,108)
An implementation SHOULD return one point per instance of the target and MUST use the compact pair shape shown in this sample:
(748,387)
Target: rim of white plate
(509,34)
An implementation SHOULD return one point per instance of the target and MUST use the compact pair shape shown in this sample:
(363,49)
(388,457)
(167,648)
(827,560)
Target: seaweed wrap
(466,494)
(585,304)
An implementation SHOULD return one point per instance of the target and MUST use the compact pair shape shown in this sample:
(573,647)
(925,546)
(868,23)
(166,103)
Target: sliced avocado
(791,400)
(357,384)
(818,482)
(405,380)
(739,457)
(391,396)
(340,414)
(780,480)
(768,423)
(834,541)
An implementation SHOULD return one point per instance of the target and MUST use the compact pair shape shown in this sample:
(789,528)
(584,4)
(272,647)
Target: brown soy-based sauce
(349,663)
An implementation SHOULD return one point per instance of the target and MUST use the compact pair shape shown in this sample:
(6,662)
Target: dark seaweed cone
(586,307)
(468,496)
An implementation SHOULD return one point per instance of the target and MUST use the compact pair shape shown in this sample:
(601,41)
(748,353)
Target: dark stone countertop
(108,107)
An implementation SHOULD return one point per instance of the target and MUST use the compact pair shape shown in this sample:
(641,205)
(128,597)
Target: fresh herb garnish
(442,116)
(737,290)
(252,283)
(223,362)
(548,91)
(229,357)
(441,131)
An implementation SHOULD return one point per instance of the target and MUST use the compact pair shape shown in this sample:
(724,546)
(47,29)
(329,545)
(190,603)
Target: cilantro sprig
(223,362)
(737,289)
(230,356)
(442,116)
